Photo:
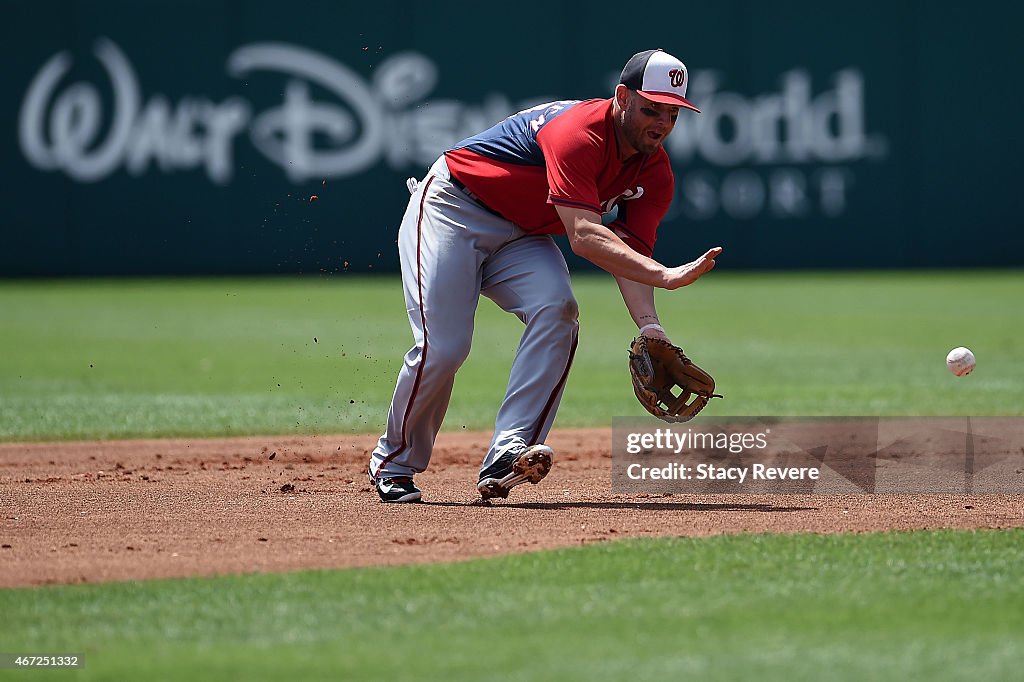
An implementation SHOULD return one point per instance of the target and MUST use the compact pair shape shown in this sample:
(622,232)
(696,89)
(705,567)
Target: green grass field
(114,359)
(894,606)
(122,358)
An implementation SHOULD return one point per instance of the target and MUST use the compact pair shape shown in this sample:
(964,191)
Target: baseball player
(481,222)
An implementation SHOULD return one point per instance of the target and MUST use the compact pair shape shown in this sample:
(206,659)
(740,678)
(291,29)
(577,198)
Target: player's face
(646,124)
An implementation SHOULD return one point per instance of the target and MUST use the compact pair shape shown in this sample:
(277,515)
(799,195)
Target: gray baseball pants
(453,249)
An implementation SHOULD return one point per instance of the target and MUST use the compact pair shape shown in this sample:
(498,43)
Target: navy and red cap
(659,77)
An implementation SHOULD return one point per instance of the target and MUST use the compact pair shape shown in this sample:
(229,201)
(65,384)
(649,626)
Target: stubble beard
(636,137)
(639,141)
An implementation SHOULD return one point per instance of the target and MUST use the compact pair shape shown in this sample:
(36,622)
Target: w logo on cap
(658,76)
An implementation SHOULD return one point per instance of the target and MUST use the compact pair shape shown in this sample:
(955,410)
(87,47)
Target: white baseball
(961,361)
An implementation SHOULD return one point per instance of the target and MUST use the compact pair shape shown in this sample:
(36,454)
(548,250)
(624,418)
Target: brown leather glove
(657,368)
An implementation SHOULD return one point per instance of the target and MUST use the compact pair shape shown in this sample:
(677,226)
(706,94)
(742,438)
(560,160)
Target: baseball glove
(657,368)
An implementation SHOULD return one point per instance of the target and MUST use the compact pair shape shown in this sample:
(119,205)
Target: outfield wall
(187,137)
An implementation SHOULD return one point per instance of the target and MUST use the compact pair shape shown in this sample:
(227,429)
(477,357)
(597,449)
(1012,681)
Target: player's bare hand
(687,274)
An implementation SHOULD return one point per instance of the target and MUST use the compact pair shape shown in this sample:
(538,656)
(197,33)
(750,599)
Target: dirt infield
(127,510)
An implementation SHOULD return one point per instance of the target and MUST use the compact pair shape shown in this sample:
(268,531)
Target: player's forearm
(639,300)
(604,249)
(595,242)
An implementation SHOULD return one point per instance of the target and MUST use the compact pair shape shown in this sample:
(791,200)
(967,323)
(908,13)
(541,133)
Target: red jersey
(566,154)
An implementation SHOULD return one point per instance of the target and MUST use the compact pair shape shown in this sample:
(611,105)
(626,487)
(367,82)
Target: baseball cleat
(511,469)
(397,489)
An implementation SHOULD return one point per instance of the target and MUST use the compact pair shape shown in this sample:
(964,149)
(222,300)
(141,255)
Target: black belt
(473,197)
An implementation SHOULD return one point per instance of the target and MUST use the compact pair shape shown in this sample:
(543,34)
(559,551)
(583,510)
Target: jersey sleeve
(638,219)
(573,155)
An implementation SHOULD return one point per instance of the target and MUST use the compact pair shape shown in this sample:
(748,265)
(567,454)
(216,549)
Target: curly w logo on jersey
(625,196)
